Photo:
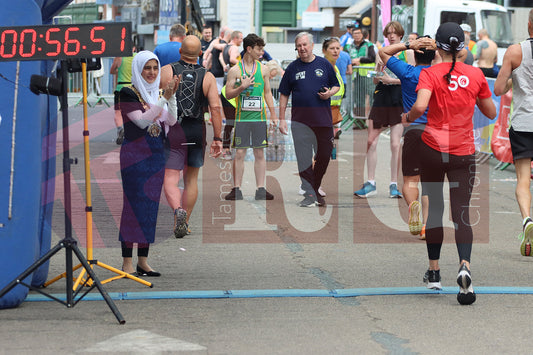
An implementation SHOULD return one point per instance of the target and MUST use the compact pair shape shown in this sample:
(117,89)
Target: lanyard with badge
(249,102)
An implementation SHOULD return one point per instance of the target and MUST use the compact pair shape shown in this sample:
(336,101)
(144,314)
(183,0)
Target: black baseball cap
(446,33)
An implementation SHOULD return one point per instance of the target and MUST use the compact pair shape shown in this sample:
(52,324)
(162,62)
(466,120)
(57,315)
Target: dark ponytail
(454,43)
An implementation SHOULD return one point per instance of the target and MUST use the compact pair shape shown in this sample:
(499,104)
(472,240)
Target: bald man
(197,92)
(486,54)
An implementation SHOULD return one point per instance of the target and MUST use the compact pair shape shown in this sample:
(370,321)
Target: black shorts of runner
(412,143)
(387,107)
(521,144)
(251,134)
(175,148)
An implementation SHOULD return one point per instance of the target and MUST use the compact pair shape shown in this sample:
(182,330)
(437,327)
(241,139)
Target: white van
(478,14)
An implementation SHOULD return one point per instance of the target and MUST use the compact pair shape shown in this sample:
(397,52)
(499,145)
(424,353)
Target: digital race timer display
(65,41)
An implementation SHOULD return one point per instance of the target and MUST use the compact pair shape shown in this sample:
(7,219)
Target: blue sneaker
(366,191)
(393,191)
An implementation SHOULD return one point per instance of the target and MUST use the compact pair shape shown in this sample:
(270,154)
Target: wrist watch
(218,139)
(406,44)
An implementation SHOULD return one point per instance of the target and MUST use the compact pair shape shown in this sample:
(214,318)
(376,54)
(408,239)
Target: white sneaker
(320,191)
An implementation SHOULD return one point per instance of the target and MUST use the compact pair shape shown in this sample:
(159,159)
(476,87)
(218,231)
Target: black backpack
(190,96)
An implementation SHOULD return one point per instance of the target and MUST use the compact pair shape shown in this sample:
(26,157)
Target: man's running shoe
(527,237)
(120,136)
(180,224)
(308,201)
(393,191)
(415,224)
(235,194)
(432,279)
(466,293)
(262,194)
(423,233)
(366,191)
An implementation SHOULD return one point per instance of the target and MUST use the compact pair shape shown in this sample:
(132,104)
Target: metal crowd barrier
(359,98)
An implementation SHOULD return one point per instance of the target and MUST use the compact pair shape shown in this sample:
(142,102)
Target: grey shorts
(250,134)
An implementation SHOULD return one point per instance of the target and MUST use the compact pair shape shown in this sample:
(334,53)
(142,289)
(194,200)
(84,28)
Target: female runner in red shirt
(451,89)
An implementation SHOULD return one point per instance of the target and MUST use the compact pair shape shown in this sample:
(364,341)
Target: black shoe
(262,194)
(432,279)
(142,272)
(466,293)
(235,194)
(120,136)
(320,200)
(308,201)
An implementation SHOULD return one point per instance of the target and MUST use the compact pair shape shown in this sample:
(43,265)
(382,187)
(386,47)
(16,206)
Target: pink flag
(385,16)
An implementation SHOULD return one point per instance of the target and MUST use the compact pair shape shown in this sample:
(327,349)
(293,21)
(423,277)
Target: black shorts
(176,148)
(412,144)
(387,107)
(251,134)
(521,144)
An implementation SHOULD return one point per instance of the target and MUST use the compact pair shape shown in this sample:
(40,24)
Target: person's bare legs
(172,191)
(238,166)
(127,265)
(118,119)
(190,193)
(523,182)
(396,132)
(371,149)
(259,167)
(410,188)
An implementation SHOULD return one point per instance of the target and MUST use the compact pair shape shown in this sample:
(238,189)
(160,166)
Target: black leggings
(127,249)
(461,174)
(229,114)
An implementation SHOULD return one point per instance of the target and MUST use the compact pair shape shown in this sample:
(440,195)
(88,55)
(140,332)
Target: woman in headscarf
(145,113)
(451,90)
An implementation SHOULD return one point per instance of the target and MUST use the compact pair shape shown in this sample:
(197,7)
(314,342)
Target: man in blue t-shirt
(312,82)
(169,52)
(424,48)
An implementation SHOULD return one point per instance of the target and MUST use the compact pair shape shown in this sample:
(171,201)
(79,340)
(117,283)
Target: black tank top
(216,67)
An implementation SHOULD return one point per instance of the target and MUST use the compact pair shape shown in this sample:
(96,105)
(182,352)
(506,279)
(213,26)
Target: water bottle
(334,152)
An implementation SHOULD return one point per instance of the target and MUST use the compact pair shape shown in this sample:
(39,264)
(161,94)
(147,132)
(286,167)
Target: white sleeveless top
(522,117)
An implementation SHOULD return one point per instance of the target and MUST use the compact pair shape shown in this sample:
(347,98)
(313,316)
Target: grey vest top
(522,117)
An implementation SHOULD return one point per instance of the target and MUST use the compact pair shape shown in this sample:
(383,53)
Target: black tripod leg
(99,286)
(32,268)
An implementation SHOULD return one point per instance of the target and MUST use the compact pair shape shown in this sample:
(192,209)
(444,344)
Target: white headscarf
(149,92)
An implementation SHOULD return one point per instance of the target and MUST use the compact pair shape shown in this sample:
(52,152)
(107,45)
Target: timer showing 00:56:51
(53,42)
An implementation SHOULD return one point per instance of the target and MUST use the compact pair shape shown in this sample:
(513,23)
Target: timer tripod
(68,243)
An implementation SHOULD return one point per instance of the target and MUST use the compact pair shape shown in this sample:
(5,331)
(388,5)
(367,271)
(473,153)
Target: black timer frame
(68,242)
